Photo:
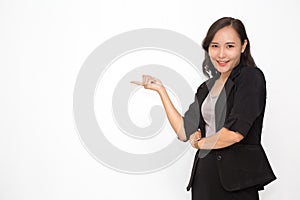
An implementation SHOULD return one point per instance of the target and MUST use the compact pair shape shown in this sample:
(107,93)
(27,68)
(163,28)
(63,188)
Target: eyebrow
(225,43)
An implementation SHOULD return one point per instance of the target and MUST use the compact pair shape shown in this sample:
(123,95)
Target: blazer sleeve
(249,100)
(192,117)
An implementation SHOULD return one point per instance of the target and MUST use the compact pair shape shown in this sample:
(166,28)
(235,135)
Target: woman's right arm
(176,120)
(174,117)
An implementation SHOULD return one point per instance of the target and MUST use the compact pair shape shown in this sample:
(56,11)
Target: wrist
(196,143)
(162,91)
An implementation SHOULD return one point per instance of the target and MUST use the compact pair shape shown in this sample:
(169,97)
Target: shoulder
(204,85)
(202,90)
(253,72)
(250,74)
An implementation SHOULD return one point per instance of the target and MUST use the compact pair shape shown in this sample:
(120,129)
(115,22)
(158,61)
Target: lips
(222,63)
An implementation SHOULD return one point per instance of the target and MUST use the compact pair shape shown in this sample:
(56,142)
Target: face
(225,50)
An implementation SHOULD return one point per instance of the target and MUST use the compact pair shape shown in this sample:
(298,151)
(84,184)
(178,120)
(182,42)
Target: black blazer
(240,107)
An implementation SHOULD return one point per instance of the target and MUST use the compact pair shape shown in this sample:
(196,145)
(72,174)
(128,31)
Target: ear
(244,45)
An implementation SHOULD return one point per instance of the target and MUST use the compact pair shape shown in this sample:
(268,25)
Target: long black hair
(246,58)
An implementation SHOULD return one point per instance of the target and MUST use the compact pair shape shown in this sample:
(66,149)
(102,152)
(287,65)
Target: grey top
(208,113)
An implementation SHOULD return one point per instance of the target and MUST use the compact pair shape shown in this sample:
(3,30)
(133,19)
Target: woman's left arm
(249,103)
(223,138)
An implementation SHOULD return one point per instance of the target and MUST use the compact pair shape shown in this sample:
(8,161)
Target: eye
(229,46)
(214,46)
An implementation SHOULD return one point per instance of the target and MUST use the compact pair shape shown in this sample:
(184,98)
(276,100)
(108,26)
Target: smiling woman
(225,121)
(228,37)
(225,50)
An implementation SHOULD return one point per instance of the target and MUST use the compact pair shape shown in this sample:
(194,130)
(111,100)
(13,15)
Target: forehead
(226,34)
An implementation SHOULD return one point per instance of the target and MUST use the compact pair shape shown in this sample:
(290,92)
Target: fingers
(137,83)
(195,137)
(147,80)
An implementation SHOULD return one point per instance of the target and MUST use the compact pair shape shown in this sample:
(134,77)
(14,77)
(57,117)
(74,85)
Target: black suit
(240,107)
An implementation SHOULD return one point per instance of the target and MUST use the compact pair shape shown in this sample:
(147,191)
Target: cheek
(212,54)
(235,55)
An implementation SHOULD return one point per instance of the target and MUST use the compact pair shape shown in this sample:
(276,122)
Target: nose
(221,53)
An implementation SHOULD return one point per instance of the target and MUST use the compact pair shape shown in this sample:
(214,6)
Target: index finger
(137,83)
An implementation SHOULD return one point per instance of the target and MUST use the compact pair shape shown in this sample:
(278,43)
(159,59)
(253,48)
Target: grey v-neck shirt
(208,113)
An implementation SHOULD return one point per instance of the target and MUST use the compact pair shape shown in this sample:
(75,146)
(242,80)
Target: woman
(225,121)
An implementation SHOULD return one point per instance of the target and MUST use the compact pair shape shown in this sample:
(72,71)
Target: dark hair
(246,58)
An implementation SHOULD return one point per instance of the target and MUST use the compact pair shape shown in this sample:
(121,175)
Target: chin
(223,69)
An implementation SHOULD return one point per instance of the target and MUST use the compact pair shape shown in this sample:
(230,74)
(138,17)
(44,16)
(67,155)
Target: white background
(43,45)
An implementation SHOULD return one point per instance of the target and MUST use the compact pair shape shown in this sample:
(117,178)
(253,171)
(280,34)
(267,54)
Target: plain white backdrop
(43,45)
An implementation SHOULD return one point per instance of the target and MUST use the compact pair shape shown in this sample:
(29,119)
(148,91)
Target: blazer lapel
(223,101)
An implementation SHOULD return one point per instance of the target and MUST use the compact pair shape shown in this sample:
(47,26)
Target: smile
(222,63)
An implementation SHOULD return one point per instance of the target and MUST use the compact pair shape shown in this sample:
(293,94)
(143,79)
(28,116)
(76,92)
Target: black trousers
(207,186)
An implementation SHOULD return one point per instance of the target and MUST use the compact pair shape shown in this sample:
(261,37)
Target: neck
(224,76)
